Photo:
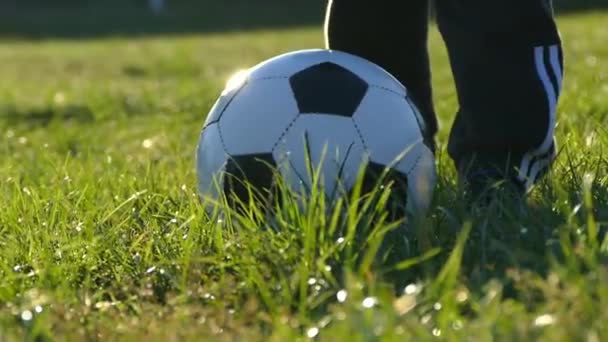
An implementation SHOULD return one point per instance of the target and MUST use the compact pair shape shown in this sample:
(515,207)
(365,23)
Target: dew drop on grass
(147,144)
(340,240)
(341,296)
(404,304)
(457,325)
(38,309)
(325,322)
(27,315)
(462,296)
(436,332)
(410,289)
(544,320)
(437,306)
(312,332)
(312,281)
(59,98)
(369,302)
(327,268)
(151,270)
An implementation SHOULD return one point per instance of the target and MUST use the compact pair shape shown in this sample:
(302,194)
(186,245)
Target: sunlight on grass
(102,235)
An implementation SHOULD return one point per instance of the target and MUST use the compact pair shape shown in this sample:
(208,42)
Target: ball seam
(388,90)
(415,164)
(219,130)
(270,78)
(360,134)
(284,133)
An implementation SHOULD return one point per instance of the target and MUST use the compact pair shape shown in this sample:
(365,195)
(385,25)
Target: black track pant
(506,59)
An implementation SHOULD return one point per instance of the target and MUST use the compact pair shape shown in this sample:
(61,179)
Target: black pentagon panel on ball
(328,88)
(248,175)
(377,178)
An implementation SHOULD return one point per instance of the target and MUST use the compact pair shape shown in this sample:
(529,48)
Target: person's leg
(507,63)
(392,34)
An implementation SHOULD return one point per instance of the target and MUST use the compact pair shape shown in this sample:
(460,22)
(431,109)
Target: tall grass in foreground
(157,264)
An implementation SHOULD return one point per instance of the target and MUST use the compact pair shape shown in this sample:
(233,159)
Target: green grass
(102,236)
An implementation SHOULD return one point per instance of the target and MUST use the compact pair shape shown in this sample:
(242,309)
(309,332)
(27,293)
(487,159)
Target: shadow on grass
(566,6)
(44,116)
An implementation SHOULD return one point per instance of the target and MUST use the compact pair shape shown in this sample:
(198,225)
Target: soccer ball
(316,117)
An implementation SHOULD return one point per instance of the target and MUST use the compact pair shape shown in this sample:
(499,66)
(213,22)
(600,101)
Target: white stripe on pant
(531,168)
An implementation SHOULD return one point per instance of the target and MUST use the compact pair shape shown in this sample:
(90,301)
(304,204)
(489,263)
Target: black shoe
(484,182)
(482,187)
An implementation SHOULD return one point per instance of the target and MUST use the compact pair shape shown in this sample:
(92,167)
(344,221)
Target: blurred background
(89,18)
(92,18)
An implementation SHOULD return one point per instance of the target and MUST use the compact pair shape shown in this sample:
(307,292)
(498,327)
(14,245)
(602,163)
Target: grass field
(102,236)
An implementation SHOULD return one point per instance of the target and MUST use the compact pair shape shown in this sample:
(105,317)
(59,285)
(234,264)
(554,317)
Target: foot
(482,186)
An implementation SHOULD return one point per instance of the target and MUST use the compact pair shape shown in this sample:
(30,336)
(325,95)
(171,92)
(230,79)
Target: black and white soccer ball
(316,110)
